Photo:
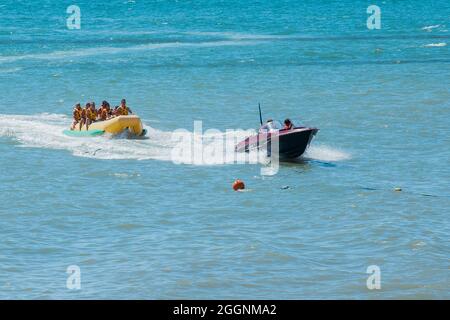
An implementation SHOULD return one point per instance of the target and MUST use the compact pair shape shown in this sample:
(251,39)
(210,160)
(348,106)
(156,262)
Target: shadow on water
(306,162)
(129,136)
(303,165)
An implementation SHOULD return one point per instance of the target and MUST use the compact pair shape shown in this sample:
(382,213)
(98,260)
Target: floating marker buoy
(238,185)
(397,189)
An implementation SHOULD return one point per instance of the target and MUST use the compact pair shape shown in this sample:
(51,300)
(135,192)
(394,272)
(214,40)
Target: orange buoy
(238,185)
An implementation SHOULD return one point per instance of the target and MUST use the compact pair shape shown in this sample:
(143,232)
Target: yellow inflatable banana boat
(113,126)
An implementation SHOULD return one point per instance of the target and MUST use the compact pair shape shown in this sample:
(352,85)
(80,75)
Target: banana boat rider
(77,110)
(83,115)
(123,109)
(88,115)
(88,121)
(104,111)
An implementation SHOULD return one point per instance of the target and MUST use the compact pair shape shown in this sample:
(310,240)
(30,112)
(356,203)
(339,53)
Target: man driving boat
(288,124)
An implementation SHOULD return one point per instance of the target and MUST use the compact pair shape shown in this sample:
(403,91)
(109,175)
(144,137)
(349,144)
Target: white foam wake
(210,147)
(326,153)
(46,131)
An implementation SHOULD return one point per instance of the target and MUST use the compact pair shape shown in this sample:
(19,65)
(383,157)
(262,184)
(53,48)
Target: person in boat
(109,111)
(100,111)
(91,114)
(123,109)
(77,110)
(288,124)
(83,115)
(103,112)
(115,112)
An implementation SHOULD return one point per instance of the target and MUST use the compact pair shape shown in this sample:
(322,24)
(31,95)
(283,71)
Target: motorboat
(292,142)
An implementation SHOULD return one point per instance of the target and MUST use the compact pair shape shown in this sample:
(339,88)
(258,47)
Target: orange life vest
(77,114)
(103,113)
(91,114)
(124,110)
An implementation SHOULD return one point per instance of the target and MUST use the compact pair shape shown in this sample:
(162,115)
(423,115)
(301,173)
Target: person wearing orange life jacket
(103,112)
(123,109)
(90,114)
(83,115)
(77,110)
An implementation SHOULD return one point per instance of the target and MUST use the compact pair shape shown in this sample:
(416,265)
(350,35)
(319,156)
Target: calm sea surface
(140,226)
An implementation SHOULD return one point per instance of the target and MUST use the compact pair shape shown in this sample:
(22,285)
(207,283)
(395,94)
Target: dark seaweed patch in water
(403,191)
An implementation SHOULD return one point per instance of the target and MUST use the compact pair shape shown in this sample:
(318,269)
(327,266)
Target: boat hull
(291,143)
(112,126)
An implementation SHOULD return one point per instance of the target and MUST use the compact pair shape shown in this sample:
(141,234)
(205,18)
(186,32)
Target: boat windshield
(271,126)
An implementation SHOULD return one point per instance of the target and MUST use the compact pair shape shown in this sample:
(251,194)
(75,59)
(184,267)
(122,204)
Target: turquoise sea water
(140,226)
